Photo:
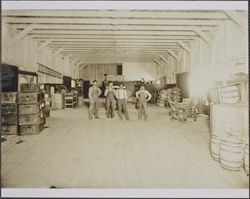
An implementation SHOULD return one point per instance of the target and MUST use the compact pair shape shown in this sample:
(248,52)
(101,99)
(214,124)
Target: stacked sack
(176,93)
(163,97)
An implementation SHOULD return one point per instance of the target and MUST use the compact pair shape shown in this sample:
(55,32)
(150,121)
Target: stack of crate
(9,118)
(31,109)
(71,99)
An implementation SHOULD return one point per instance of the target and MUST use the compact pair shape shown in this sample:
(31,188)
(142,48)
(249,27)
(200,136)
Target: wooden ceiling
(111,36)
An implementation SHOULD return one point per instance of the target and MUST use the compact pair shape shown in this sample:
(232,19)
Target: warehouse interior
(199,58)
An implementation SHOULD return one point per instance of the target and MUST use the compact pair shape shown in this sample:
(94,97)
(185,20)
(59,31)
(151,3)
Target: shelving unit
(70,100)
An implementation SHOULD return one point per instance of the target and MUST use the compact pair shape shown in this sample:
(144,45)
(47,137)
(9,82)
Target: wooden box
(227,116)
(24,109)
(30,119)
(31,129)
(29,98)
(29,88)
(9,119)
(58,101)
(9,130)
(9,108)
(8,98)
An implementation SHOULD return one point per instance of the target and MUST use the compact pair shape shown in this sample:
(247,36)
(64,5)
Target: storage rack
(70,100)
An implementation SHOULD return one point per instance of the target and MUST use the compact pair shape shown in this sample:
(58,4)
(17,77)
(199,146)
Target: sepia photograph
(123,96)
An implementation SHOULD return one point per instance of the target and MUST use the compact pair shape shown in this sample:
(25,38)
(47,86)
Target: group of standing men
(120,95)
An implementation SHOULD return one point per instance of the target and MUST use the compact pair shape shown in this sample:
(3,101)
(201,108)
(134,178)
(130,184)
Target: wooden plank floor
(74,152)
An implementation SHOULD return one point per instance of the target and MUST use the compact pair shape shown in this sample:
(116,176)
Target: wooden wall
(96,71)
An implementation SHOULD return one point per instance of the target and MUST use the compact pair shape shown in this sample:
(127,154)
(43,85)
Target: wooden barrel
(215,147)
(231,153)
(246,158)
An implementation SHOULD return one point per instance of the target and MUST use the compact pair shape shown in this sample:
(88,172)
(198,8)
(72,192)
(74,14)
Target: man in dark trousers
(121,95)
(110,100)
(94,93)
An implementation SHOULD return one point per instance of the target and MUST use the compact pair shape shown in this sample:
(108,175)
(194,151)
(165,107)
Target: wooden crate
(29,88)
(9,130)
(24,109)
(9,108)
(9,119)
(57,101)
(8,98)
(29,98)
(31,129)
(225,116)
(30,119)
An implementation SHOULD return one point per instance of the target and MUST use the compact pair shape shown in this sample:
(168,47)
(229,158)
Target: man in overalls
(143,96)
(110,100)
(94,93)
(121,95)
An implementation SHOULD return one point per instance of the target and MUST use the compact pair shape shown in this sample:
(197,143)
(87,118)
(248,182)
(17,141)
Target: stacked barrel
(9,119)
(31,109)
(231,150)
(246,155)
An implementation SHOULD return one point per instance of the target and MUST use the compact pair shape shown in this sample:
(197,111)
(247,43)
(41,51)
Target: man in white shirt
(121,95)
(143,96)
(94,93)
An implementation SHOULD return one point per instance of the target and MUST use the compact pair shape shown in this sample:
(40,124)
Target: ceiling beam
(110,32)
(164,59)
(93,41)
(172,54)
(113,43)
(159,63)
(57,52)
(24,32)
(237,20)
(121,21)
(74,60)
(184,46)
(112,27)
(80,63)
(113,46)
(44,44)
(82,66)
(204,36)
(68,56)
(131,37)
(180,14)
(145,49)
